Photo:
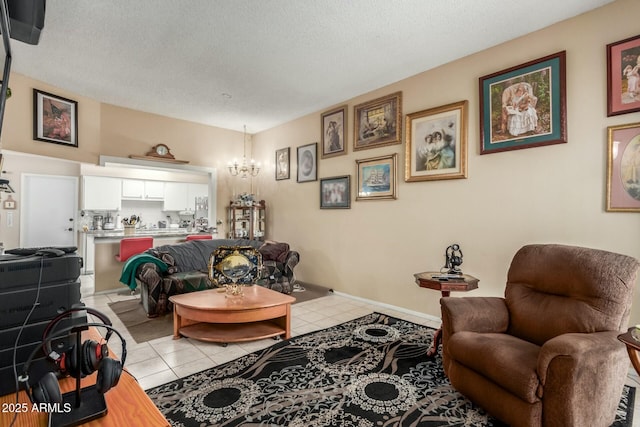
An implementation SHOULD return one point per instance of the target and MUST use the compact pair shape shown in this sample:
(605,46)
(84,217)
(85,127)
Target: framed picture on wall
(55,119)
(623,168)
(436,146)
(282,164)
(308,163)
(378,123)
(377,178)
(623,76)
(524,106)
(334,130)
(335,192)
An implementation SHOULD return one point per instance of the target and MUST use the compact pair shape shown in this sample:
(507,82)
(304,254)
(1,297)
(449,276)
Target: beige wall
(547,194)
(551,194)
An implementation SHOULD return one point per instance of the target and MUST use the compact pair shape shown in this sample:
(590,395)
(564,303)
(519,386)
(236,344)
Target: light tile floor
(164,359)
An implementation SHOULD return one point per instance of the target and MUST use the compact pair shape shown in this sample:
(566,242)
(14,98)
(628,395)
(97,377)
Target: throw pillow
(274,251)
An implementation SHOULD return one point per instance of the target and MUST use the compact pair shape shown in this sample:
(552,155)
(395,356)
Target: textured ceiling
(228,63)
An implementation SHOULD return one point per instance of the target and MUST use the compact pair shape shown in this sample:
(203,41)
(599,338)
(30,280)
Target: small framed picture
(282,164)
(524,106)
(436,145)
(55,119)
(378,123)
(335,192)
(377,178)
(623,168)
(308,163)
(334,130)
(623,76)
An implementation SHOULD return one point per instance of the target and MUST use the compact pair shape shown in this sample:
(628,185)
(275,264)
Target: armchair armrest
(578,351)
(586,369)
(475,314)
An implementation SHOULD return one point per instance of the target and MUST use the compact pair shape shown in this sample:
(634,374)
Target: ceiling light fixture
(244,170)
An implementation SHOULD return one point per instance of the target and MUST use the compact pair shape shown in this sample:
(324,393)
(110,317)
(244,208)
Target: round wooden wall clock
(161,150)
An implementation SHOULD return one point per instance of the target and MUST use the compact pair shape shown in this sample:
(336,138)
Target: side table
(445,284)
(633,346)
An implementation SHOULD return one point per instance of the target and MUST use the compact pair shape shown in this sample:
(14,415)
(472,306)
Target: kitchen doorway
(49,209)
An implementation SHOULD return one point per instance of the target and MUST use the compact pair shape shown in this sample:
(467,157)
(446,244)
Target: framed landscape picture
(308,163)
(623,76)
(378,123)
(55,119)
(524,106)
(282,164)
(335,192)
(623,168)
(334,130)
(377,178)
(436,146)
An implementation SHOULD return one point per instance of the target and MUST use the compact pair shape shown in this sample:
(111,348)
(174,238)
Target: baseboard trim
(390,307)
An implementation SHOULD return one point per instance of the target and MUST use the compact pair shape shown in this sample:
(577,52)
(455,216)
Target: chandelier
(244,170)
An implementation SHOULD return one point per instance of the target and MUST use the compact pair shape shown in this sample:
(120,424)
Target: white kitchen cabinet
(89,254)
(101,193)
(154,190)
(132,189)
(181,196)
(138,189)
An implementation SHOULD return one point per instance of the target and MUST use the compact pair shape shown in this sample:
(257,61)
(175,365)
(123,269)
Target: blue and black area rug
(371,371)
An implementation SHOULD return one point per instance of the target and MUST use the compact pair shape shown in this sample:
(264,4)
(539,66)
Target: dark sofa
(187,270)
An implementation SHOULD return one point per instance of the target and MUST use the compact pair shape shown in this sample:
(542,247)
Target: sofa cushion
(504,359)
(274,251)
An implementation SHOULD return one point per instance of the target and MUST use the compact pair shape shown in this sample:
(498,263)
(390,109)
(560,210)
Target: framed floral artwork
(335,192)
(524,106)
(55,119)
(436,143)
(283,164)
(623,76)
(334,130)
(308,163)
(377,178)
(378,123)
(623,168)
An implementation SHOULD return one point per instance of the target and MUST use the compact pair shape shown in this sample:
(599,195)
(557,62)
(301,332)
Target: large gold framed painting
(623,168)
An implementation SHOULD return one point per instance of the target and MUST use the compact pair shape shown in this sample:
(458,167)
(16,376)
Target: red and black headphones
(75,362)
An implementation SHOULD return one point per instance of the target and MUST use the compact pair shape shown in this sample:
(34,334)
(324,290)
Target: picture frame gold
(377,178)
(436,143)
(378,123)
(623,168)
(334,132)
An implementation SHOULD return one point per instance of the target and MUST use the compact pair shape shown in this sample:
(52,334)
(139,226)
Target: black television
(22,20)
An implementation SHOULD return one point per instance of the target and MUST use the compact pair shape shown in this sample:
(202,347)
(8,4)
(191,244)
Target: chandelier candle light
(244,170)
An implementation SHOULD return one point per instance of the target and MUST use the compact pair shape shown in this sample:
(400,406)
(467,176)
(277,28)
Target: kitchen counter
(106,244)
(161,232)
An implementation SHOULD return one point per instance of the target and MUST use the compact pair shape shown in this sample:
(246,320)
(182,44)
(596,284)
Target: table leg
(437,335)
(437,339)
(635,359)
(177,320)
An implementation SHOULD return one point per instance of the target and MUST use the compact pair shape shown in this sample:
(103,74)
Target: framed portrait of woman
(436,143)
(334,130)
(623,76)
(524,106)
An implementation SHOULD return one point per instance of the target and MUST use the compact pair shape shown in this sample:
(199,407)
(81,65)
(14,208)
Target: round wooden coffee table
(214,316)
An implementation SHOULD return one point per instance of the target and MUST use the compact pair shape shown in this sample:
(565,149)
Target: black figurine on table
(453,256)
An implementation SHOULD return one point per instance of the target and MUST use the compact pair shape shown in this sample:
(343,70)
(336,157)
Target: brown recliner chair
(547,353)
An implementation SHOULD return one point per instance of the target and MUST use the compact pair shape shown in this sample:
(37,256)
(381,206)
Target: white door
(48,214)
